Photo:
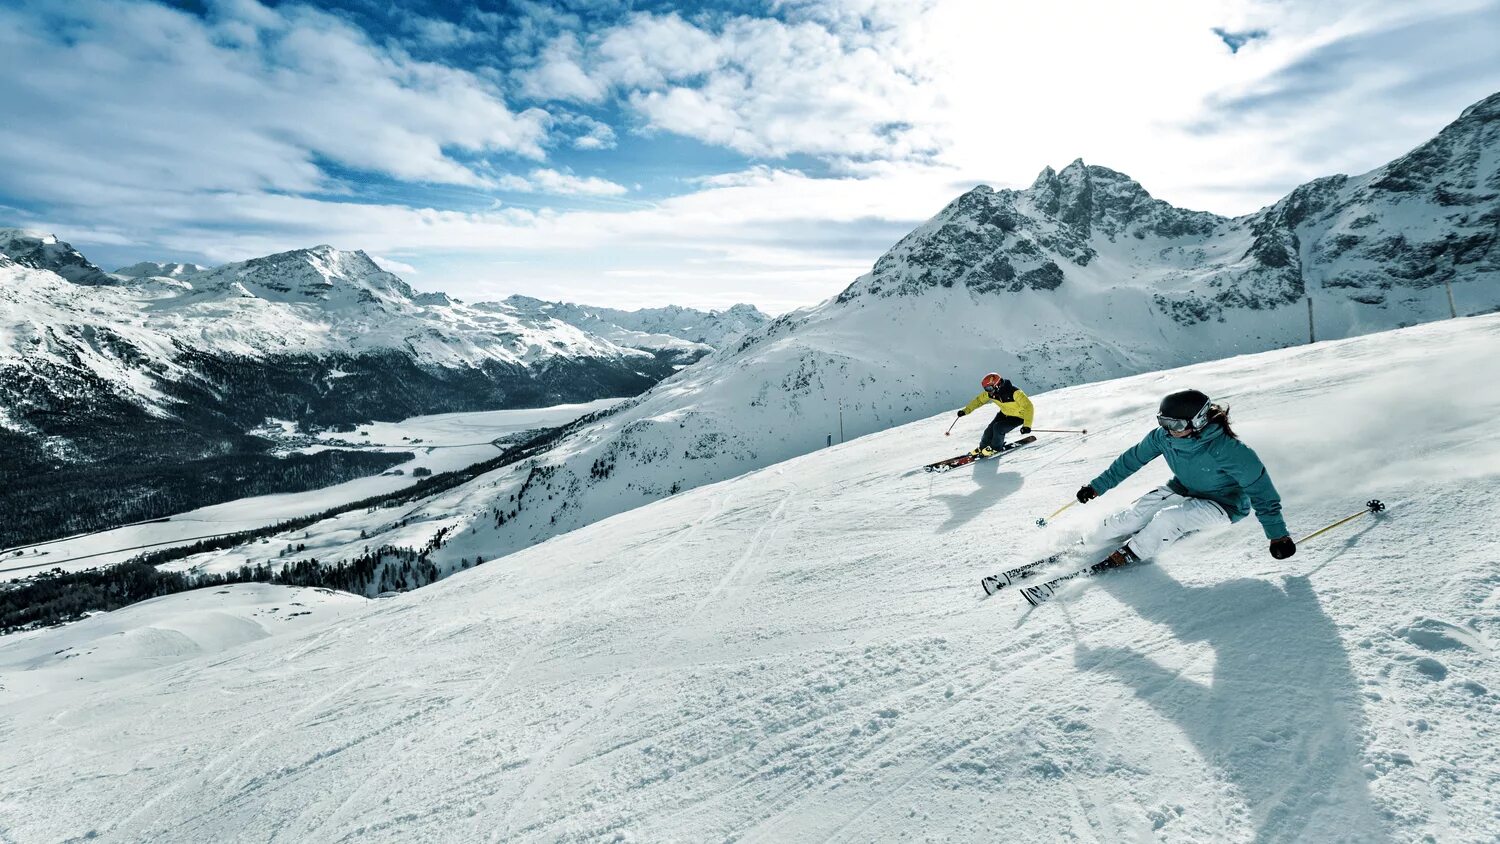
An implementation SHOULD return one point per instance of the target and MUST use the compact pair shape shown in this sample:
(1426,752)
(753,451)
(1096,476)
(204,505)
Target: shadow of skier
(1281,717)
(992,486)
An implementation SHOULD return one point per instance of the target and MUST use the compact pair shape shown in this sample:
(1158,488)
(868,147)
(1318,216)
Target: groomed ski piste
(801,654)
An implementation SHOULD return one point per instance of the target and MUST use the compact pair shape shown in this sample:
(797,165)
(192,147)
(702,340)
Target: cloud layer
(700,154)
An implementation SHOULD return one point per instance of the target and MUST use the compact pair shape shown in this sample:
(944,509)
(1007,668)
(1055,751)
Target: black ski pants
(994,435)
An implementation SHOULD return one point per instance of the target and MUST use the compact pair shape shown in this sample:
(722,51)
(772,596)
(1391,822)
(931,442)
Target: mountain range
(168,365)
(1080,277)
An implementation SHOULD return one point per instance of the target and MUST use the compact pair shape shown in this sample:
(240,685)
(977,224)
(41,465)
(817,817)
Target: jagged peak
(1485,110)
(12,233)
(44,251)
(1076,167)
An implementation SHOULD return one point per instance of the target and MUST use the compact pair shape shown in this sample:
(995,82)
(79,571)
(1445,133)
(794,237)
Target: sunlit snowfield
(801,654)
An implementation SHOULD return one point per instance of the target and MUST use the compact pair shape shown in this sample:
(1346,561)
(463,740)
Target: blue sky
(645,153)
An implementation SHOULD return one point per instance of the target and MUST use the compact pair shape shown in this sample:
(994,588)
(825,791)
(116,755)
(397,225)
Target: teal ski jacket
(1211,465)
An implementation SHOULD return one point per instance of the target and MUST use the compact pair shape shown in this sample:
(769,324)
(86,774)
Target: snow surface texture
(1082,277)
(440,443)
(800,654)
(72,659)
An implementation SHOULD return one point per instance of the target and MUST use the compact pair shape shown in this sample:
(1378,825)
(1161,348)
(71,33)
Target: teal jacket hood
(1212,465)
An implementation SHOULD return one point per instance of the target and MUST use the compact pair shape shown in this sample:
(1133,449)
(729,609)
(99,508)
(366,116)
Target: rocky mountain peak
(317,273)
(41,251)
(1091,198)
(1485,110)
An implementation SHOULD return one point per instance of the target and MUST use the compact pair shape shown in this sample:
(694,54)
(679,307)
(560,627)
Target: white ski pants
(1159,518)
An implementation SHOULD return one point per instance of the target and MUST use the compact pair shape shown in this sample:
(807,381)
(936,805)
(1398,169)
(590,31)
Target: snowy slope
(799,654)
(72,659)
(1084,276)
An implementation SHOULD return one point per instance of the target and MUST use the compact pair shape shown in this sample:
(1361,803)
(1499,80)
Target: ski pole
(950,426)
(1371,506)
(1043,522)
(1061,430)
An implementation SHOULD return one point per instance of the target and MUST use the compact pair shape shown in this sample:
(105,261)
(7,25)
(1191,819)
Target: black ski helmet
(1185,409)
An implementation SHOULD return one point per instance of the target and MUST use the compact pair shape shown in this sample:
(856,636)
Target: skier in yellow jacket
(1015,409)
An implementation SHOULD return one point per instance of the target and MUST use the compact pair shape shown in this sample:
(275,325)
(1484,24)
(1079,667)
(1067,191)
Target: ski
(995,582)
(966,459)
(1042,592)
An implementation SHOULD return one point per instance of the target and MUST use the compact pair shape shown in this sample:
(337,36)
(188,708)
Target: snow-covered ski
(995,582)
(966,459)
(1042,592)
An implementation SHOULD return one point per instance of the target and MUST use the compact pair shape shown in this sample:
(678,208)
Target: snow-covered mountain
(166,364)
(1081,277)
(799,654)
(333,320)
(45,252)
(671,327)
(160,269)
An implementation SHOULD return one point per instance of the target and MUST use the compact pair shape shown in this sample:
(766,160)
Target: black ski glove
(1283,547)
(1025,429)
(1087,494)
(960,413)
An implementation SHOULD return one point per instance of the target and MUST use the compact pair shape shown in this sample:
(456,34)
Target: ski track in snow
(801,654)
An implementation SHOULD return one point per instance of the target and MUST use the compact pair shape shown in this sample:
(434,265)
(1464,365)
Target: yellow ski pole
(1371,506)
(1043,522)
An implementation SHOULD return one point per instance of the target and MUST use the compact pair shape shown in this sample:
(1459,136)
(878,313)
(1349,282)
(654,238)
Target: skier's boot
(986,451)
(1122,557)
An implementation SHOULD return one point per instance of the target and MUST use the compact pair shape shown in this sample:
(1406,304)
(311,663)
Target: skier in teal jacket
(1216,481)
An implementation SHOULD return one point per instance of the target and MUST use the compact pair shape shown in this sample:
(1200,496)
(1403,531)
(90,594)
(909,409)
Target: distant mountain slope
(685,332)
(169,365)
(1081,277)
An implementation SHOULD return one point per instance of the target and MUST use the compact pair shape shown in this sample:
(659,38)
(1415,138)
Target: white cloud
(757,86)
(435,32)
(905,106)
(556,182)
(391,265)
(588,133)
(559,74)
(553,181)
(250,98)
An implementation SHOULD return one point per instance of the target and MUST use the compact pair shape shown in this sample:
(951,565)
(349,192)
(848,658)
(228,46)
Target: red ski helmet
(991,380)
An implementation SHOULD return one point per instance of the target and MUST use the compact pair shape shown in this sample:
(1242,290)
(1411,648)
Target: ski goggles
(1175,425)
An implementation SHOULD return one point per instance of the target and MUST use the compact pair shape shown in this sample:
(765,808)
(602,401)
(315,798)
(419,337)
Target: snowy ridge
(1081,277)
(671,327)
(42,251)
(800,654)
(323,300)
(160,269)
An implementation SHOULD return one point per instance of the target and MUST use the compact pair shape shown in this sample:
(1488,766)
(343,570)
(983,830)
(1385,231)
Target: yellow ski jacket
(1011,401)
